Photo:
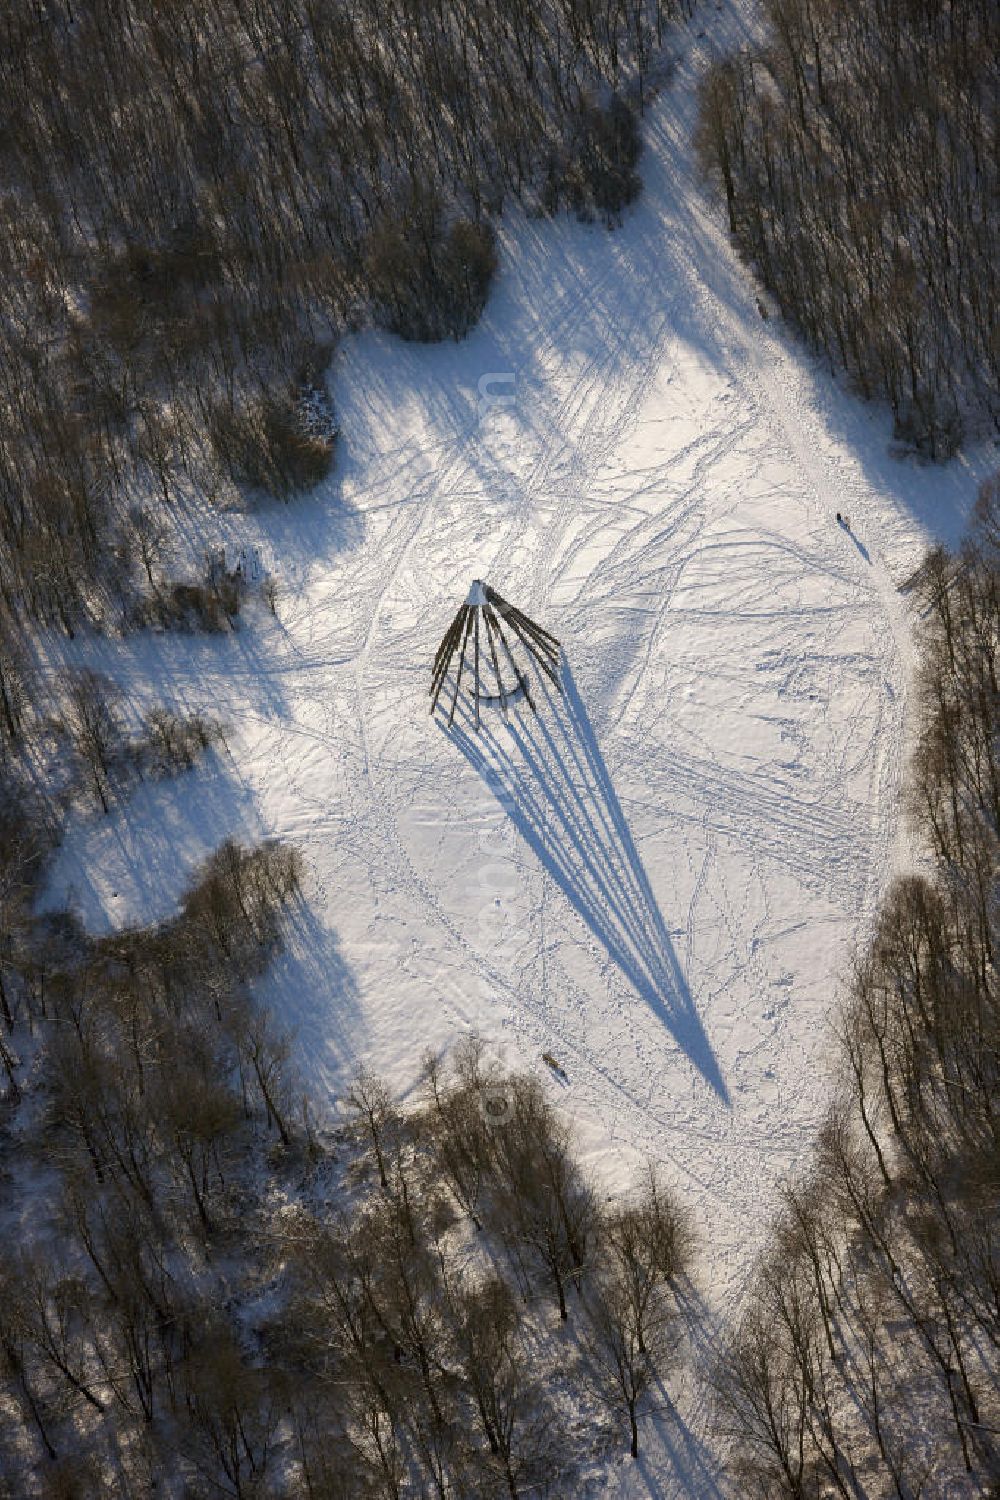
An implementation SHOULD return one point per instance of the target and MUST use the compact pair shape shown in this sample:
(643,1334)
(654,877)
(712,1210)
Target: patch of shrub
(173,742)
(211,605)
(268,446)
(106,758)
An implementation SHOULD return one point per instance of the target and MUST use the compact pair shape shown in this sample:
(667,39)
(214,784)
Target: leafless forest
(204,1290)
(869,1360)
(196,201)
(858,157)
(202,1294)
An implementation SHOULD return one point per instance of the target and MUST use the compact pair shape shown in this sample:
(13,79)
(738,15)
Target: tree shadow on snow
(548,773)
(312,990)
(134,863)
(687,1457)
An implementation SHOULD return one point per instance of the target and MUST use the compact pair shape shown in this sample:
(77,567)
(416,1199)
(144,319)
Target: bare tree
(486,1330)
(369,1098)
(147,532)
(633,1325)
(233,1416)
(541,1202)
(95,729)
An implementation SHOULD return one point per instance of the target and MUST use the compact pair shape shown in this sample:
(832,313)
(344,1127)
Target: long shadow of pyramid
(550,776)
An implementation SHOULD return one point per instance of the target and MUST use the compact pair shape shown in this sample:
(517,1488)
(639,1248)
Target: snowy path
(660,880)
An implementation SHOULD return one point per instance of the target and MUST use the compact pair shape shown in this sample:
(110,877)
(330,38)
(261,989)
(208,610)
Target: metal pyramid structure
(482,619)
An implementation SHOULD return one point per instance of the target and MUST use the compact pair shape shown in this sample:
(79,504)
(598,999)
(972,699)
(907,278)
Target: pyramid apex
(477,594)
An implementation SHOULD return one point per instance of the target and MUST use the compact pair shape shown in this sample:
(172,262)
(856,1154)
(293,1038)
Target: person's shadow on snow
(548,772)
(845,526)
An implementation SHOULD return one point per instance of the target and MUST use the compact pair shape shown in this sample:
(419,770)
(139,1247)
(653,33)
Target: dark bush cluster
(267,446)
(173,742)
(429,281)
(600,177)
(858,156)
(868,1360)
(210,605)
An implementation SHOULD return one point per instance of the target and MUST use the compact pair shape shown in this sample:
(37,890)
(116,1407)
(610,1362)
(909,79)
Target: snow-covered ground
(661,879)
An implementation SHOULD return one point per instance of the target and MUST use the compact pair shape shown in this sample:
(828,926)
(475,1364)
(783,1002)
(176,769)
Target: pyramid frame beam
(445,652)
(461,663)
(496,662)
(518,674)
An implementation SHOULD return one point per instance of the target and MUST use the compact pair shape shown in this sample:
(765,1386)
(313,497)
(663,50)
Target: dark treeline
(859,158)
(869,1361)
(203,1294)
(196,199)
(430,1314)
(139,1081)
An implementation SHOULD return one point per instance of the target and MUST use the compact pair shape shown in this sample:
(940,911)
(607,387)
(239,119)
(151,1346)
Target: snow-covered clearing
(660,879)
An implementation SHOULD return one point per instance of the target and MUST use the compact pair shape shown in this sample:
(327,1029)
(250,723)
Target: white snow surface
(660,880)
